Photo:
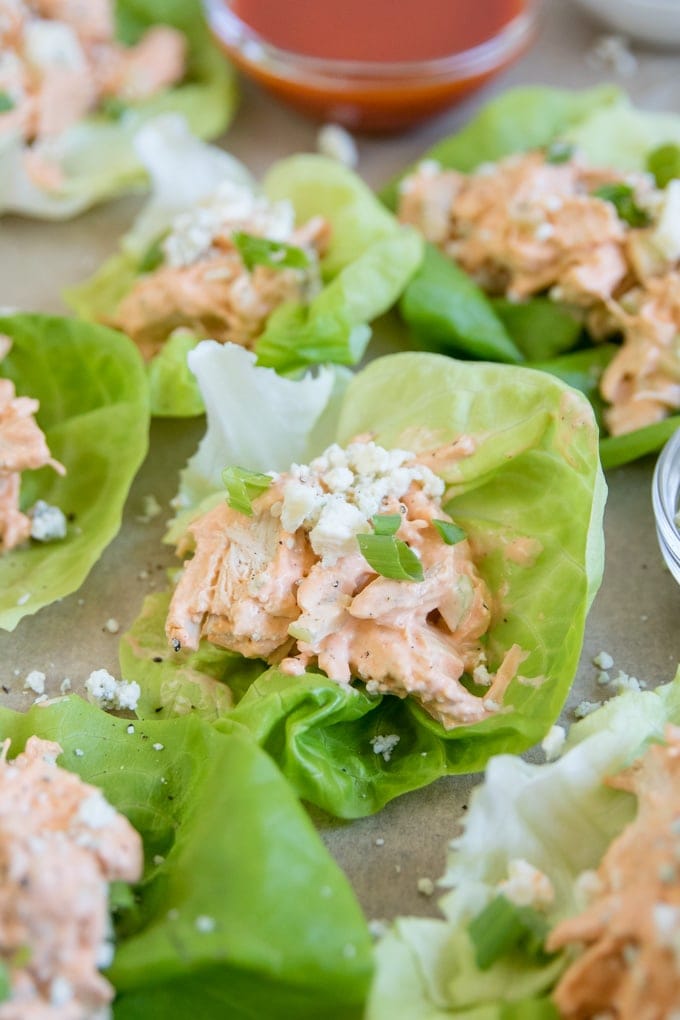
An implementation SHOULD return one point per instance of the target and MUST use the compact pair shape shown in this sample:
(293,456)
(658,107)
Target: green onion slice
(260,251)
(559,152)
(4,983)
(502,927)
(622,198)
(450,532)
(386,524)
(664,163)
(6,102)
(390,557)
(153,257)
(242,487)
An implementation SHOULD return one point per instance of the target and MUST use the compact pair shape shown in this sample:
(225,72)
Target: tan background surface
(635,617)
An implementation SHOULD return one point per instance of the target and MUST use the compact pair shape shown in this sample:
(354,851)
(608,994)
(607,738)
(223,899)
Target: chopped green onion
(530,1009)
(559,152)
(386,524)
(4,983)
(390,557)
(451,533)
(153,257)
(664,163)
(242,487)
(113,108)
(6,102)
(501,927)
(260,251)
(622,198)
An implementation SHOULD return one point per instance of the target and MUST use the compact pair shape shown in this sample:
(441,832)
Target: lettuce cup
(553,222)
(223,838)
(295,268)
(82,389)
(76,85)
(417,555)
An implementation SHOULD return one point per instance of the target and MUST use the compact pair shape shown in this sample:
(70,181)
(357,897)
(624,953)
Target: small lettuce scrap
(224,839)
(97,155)
(370,260)
(534,475)
(560,818)
(94,411)
(447,312)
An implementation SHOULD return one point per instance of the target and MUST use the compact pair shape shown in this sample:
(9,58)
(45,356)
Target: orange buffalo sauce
(372,64)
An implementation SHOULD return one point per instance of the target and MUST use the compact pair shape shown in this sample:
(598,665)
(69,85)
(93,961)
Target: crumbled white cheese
(584,708)
(666,233)
(336,495)
(603,678)
(623,682)
(666,920)
(96,812)
(35,681)
(158,747)
(205,924)
(48,523)
(603,660)
(425,886)
(380,841)
(130,729)
(61,992)
(385,744)
(612,53)
(112,625)
(107,692)
(527,886)
(553,742)
(377,929)
(65,685)
(336,143)
(150,508)
(232,207)
(51,44)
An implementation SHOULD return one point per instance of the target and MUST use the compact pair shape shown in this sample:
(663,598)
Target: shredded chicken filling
(60,61)
(290,585)
(204,285)
(524,225)
(629,966)
(61,843)
(22,447)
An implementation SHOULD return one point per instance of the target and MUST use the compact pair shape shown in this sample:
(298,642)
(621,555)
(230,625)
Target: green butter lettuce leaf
(368,264)
(560,818)
(534,475)
(447,312)
(224,838)
(583,370)
(97,156)
(207,682)
(94,412)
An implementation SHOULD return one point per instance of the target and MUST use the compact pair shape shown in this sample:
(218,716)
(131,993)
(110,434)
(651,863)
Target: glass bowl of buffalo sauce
(372,65)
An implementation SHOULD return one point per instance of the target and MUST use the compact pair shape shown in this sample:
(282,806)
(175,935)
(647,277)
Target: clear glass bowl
(665,498)
(364,94)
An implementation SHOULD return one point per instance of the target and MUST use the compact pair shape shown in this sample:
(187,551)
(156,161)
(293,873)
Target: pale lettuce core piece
(97,156)
(369,262)
(241,912)
(237,394)
(623,136)
(183,172)
(445,309)
(94,411)
(560,818)
(533,481)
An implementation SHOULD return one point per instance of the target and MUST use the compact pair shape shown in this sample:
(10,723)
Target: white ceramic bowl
(665,500)
(651,21)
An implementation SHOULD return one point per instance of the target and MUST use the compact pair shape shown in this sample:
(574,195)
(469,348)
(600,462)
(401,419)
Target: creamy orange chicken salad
(601,241)
(215,280)
(302,581)
(629,934)
(23,447)
(59,61)
(61,844)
